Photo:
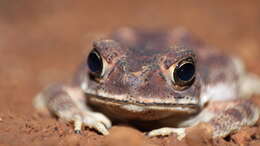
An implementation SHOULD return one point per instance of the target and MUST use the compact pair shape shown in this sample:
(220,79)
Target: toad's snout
(133,81)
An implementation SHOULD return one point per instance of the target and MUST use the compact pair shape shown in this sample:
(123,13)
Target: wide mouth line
(159,104)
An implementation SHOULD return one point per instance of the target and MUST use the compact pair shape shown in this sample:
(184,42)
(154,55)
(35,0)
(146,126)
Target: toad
(160,81)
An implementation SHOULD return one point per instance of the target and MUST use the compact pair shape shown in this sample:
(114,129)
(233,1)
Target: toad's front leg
(69,104)
(225,117)
(232,115)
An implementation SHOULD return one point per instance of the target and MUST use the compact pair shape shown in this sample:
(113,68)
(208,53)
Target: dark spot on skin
(235,113)
(246,106)
(111,56)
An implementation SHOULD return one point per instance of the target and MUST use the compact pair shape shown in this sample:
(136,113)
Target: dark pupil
(95,62)
(185,72)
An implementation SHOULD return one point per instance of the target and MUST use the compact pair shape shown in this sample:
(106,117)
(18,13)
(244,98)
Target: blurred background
(44,41)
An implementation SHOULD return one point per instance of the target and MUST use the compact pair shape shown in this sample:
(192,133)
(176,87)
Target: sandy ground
(44,41)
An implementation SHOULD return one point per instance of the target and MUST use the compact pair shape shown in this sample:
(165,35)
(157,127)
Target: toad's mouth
(125,102)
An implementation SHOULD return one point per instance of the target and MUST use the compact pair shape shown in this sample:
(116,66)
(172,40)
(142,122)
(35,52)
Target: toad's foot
(167,131)
(68,103)
(93,120)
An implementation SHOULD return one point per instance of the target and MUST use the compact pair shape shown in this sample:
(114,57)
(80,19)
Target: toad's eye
(95,63)
(184,72)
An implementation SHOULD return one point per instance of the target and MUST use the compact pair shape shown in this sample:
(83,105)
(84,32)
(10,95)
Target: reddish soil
(44,41)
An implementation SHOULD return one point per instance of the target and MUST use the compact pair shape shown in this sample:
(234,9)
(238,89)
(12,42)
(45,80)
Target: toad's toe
(168,131)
